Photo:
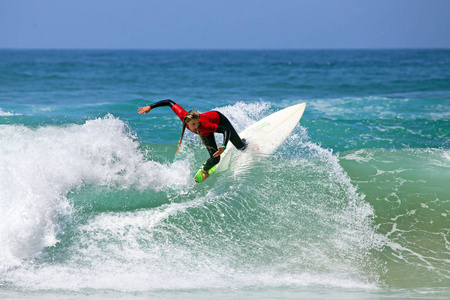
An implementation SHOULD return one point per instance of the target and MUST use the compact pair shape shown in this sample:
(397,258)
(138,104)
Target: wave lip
(39,168)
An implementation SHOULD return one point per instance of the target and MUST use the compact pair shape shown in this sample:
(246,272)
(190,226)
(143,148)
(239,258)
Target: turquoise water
(95,203)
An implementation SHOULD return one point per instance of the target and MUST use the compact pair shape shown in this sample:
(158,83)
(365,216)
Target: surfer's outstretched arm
(146,109)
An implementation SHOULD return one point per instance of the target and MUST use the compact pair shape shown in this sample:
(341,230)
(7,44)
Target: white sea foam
(38,167)
(7,114)
(242,115)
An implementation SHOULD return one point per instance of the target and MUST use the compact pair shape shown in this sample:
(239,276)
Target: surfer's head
(192,119)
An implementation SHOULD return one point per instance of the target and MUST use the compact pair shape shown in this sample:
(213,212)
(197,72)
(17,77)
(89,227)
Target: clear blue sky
(224,24)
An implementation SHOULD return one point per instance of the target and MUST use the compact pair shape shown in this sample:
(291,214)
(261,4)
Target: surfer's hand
(219,151)
(144,110)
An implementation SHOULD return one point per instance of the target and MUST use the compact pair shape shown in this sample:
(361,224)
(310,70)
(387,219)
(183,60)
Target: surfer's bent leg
(212,161)
(235,139)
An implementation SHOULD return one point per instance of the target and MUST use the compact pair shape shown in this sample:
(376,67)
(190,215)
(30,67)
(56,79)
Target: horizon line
(222,49)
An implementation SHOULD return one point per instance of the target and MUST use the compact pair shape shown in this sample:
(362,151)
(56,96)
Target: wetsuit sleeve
(166,102)
(177,109)
(226,134)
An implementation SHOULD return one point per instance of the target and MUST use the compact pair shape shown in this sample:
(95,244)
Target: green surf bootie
(199,178)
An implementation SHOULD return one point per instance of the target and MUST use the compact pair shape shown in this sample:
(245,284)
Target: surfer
(205,125)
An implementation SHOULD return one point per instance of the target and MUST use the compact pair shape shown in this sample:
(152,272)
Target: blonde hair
(191,115)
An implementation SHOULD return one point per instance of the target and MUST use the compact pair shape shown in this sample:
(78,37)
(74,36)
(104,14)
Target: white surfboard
(264,136)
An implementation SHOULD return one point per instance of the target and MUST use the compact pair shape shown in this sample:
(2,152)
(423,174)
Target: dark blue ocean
(95,203)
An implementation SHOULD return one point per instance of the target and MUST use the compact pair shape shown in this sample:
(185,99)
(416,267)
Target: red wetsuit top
(208,120)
